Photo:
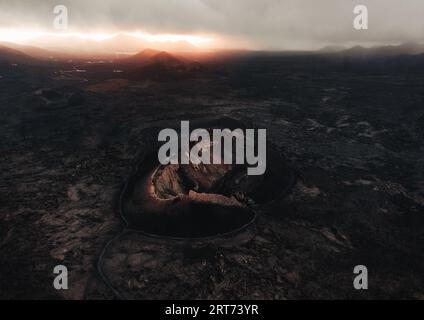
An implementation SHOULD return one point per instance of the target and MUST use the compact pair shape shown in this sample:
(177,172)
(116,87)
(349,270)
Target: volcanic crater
(199,201)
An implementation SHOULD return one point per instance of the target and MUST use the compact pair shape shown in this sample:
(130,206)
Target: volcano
(196,201)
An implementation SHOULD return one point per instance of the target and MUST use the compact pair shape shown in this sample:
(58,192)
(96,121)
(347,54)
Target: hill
(9,55)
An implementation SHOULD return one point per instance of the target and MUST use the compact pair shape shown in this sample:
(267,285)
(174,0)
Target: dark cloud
(264,23)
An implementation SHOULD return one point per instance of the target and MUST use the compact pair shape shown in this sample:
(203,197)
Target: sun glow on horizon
(193,39)
(11,35)
(23,36)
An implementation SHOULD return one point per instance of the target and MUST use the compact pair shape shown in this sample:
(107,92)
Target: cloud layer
(265,24)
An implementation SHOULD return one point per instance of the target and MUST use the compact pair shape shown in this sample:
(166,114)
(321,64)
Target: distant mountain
(166,59)
(9,55)
(403,49)
(154,57)
(143,56)
(32,51)
(409,48)
(161,65)
(404,57)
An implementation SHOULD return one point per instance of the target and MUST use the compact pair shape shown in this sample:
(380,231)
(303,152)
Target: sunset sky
(250,24)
